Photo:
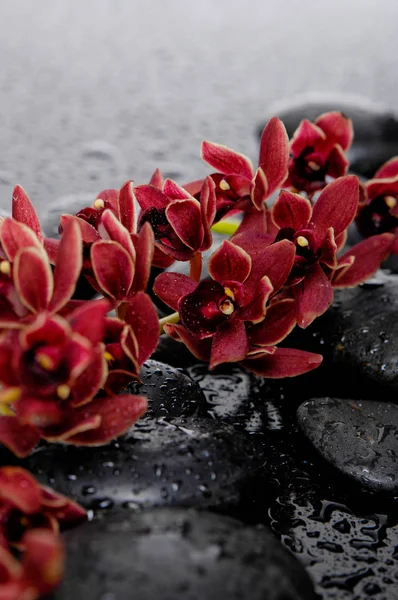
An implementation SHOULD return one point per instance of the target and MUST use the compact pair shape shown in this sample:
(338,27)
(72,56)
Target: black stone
(173,554)
(181,461)
(375,127)
(170,391)
(360,439)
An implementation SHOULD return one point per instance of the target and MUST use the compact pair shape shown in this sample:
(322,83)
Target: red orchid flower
(237,186)
(28,285)
(318,151)
(181,224)
(379,211)
(219,311)
(30,518)
(317,232)
(117,260)
(53,372)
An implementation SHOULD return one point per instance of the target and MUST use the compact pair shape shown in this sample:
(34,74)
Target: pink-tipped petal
(226,161)
(230,343)
(170,287)
(141,315)
(275,261)
(15,235)
(208,201)
(113,269)
(328,250)
(112,229)
(185,218)
(274,153)
(33,279)
(368,254)
(337,128)
(68,266)
(126,206)
(291,210)
(336,206)
(388,170)
(157,179)
(149,196)
(144,252)
(382,187)
(175,191)
(20,439)
(279,321)
(314,295)
(285,362)
(230,263)
(260,191)
(89,234)
(24,212)
(306,135)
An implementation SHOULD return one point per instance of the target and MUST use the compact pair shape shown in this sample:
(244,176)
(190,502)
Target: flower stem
(195,267)
(173,318)
(225,227)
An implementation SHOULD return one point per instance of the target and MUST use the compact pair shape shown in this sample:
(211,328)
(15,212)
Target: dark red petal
(382,187)
(20,489)
(278,323)
(337,128)
(89,233)
(230,263)
(291,210)
(255,311)
(141,315)
(314,295)
(160,259)
(185,218)
(275,261)
(24,212)
(113,269)
(117,414)
(91,379)
(340,240)
(68,266)
(251,234)
(368,254)
(43,560)
(175,191)
(157,179)
(52,330)
(38,413)
(336,206)
(126,206)
(230,343)
(306,135)
(208,202)
(144,249)
(89,319)
(51,247)
(285,362)
(388,170)
(274,153)
(15,236)
(337,162)
(259,192)
(149,196)
(20,439)
(112,229)
(328,250)
(170,287)
(193,187)
(226,161)
(33,278)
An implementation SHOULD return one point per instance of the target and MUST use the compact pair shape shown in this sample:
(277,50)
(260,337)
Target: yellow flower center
(227,307)
(99,204)
(5,267)
(314,166)
(390,201)
(63,391)
(302,241)
(224,185)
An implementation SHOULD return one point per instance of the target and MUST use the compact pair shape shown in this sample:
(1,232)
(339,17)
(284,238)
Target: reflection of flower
(30,518)
(378,213)
(317,151)
(237,186)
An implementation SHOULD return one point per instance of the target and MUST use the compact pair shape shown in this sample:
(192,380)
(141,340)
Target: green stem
(173,318)
(225,227)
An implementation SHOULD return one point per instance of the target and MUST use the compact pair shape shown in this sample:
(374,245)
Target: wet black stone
(181,461)
(358,438)
(170,391)
(358,337)
(375,127)
(173,554)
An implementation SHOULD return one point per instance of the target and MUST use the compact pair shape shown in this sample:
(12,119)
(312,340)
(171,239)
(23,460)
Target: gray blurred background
(99,91)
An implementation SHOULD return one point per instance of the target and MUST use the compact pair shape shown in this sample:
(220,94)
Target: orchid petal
(185,218)
(89,233)
(255,311)
(201,349)
(170,287)
(230,343)
(33,279)
(291,210)
(91,379)
(285,362)
(279,321)
(226,161)
(336,206)
(230,263)
(20,489)
(149,196)
(144,252)
(337,162)
(15,235)
(275,261)
(142,317)
(337,128)
(68,266)
(175,191)
(20,439)
(115,231)
(306,135)
(157,179)
(24,212)
(314,295)
(126,206)
(274,154)
(89,320)
(51,247)
(113,269)
(260,191)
